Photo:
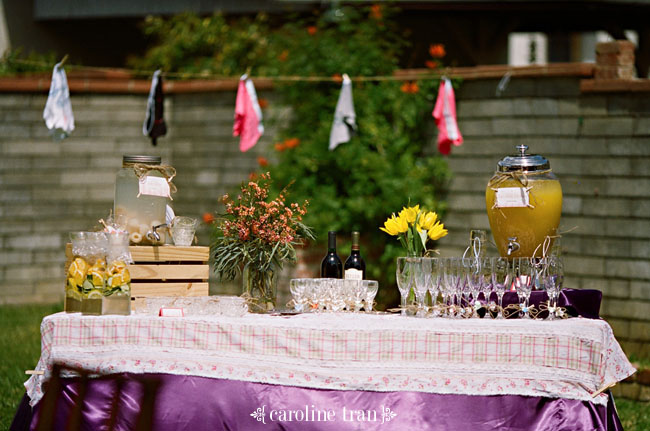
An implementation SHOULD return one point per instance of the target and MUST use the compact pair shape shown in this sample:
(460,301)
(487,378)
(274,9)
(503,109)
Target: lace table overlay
(572,358)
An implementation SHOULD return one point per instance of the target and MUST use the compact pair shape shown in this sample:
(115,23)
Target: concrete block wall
(598,145)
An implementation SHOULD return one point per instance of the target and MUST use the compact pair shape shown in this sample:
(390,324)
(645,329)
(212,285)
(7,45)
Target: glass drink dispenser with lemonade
(142,190)
(524,204)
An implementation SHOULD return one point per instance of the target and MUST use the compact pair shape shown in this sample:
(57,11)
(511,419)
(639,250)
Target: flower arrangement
(257,235)
(257,230)
(414,227)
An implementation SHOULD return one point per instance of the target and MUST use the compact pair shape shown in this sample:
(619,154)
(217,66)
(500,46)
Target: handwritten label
(511,197)
(154,186)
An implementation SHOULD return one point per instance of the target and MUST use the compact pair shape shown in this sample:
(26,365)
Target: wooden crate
(166,270)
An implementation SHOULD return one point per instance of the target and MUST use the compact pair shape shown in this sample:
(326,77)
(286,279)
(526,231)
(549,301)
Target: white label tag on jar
(154,186)
(511,197)
(353,274)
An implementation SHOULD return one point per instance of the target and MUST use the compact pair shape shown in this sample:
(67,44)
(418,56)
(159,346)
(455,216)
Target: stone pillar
(615,60)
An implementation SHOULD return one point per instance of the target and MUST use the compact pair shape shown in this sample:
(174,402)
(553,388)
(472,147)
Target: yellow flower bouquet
(414,227)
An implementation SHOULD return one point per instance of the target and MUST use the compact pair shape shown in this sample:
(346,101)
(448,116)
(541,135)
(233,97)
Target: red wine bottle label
(353,274)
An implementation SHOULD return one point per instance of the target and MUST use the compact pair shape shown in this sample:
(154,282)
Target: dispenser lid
(523,161)
(147,160)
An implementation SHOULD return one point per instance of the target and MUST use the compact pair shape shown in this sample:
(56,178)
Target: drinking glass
(450,282)
(501,280)
(473,268)
(422,279)
(435,283)
(405,275)
(359,292)
(298,289)
(371,286)
(553,279)
(182,229)
(486,281)
(349,293)
(336,295)
(524,280)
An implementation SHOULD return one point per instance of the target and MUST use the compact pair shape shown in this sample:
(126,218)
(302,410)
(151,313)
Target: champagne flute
(449,282)
(474,279)
(486,280)
(435,283)
(553,280)
(405,275)
(501,280)
(422,276)
(524,281)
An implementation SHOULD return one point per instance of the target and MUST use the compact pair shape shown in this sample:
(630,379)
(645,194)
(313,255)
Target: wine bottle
(331,267)
(355,266)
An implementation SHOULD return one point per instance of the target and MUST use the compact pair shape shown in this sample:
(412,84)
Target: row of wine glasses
(460,282)
(320,294)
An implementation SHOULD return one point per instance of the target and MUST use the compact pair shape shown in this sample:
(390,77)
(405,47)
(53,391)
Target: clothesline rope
(287,78)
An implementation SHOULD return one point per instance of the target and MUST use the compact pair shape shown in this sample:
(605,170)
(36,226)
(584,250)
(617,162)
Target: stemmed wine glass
(372,286)
(298,289)
(524,280)
(405,279)
(553,278)
(486,282)
(422,278)
(449,281)
(501,280)
(456,281)
(435,284)
(474,279)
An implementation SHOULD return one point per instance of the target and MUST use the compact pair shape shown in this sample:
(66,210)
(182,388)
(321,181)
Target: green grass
(635,415)
(20,348)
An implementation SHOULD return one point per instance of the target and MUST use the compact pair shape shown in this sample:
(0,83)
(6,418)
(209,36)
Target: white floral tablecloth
(571,358)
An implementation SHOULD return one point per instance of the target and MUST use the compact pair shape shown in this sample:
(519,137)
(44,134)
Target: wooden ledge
(614,85)
(122,82)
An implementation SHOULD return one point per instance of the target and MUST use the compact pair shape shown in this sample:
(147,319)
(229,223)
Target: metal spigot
(513,245)
(153,235)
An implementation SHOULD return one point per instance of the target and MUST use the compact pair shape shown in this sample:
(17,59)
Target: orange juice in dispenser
(524,204)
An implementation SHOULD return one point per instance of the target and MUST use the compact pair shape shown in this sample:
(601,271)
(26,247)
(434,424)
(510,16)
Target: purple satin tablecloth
(187,403)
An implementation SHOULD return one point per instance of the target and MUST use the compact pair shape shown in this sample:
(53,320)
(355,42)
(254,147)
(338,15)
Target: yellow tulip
(410,213)
(395,225)
(437,231)
(427,220)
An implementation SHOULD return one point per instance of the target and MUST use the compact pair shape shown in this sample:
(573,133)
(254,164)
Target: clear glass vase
(260,287)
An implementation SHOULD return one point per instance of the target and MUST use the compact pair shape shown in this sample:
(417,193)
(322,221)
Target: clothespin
(63,60)
(248,72)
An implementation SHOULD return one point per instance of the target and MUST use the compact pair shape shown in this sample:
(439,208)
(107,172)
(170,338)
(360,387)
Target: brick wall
(598,145)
